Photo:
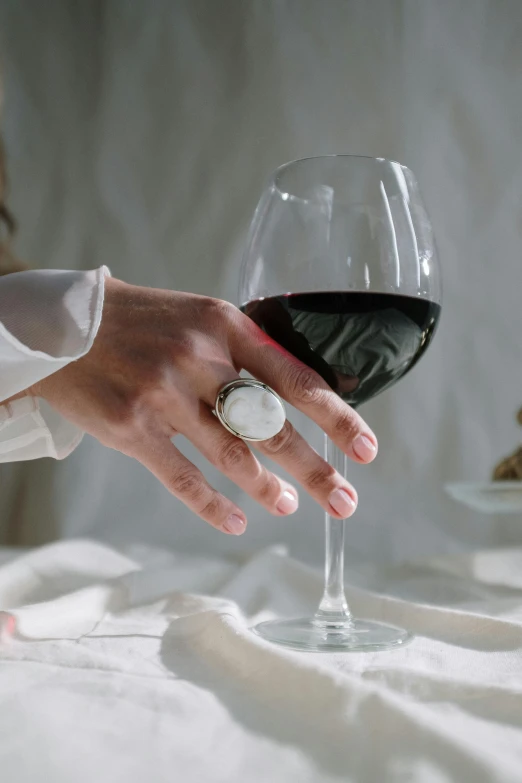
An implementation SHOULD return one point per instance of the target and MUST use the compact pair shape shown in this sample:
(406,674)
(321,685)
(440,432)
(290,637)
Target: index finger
(303,388)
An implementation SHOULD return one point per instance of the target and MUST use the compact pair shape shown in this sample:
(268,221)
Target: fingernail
(235,525)
(287,503)
(342,502)
(364,448)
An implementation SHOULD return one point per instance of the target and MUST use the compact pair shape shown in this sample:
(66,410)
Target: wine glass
(341,269)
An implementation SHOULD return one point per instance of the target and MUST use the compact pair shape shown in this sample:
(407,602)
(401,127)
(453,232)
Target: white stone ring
(250,410)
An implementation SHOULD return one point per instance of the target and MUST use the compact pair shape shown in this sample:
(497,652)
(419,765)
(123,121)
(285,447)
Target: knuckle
(212,509)
(232,455)
(282,442)
(219,310)
(318,477)
(269,490)
(187,484)
(347,427)
(303,386)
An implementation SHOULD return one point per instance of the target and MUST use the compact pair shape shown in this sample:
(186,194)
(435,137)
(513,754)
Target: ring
(250,410)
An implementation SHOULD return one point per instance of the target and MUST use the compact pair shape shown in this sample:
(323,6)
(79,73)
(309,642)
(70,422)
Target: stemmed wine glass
(341,269)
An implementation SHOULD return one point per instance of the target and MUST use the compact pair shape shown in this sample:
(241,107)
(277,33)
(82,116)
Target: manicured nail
(235,525)
(287,503)
(364,448)
(342,502)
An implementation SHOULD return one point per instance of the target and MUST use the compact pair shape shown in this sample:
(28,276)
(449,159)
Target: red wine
(359,342)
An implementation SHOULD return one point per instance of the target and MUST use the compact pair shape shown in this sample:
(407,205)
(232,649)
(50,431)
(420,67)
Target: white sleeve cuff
(48,318)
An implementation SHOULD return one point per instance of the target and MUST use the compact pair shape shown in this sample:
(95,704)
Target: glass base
(315,636)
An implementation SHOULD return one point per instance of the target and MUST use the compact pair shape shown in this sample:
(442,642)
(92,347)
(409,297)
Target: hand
(154,371)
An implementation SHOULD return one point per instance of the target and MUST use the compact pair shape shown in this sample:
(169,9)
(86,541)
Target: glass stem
(333,610)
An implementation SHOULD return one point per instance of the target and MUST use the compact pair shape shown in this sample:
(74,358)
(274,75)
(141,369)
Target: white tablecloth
(137,669)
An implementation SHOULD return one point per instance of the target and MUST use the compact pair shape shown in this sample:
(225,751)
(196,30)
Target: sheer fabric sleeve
(48,318)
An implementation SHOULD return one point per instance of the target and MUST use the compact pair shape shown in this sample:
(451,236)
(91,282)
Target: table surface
(141,666)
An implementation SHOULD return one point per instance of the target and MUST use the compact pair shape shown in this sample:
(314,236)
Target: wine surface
(359,342)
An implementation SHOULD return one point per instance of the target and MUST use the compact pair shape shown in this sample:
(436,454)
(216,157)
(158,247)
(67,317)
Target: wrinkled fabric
(48,318)
(140,666)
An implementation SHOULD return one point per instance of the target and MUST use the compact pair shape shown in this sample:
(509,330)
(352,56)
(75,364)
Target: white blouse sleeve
(48,318)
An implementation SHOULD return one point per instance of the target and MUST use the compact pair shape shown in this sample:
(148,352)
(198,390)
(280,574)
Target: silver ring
(250,410)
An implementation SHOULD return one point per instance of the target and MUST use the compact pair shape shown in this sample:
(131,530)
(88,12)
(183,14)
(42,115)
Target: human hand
(154,371)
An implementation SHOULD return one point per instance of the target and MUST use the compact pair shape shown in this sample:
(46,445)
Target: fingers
(233,458)
(316,476)
(188,484)
(304,389)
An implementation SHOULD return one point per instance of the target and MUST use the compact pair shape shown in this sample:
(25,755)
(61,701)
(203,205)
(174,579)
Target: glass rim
(308,158)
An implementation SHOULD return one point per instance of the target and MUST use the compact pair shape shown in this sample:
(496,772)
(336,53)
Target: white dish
(492,497)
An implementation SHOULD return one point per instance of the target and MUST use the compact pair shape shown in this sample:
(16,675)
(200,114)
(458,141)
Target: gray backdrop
(140,134)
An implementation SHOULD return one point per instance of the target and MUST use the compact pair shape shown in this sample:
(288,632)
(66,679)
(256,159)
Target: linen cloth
(122,668)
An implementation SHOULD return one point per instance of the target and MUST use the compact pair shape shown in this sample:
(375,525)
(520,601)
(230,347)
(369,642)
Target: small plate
(492,497)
